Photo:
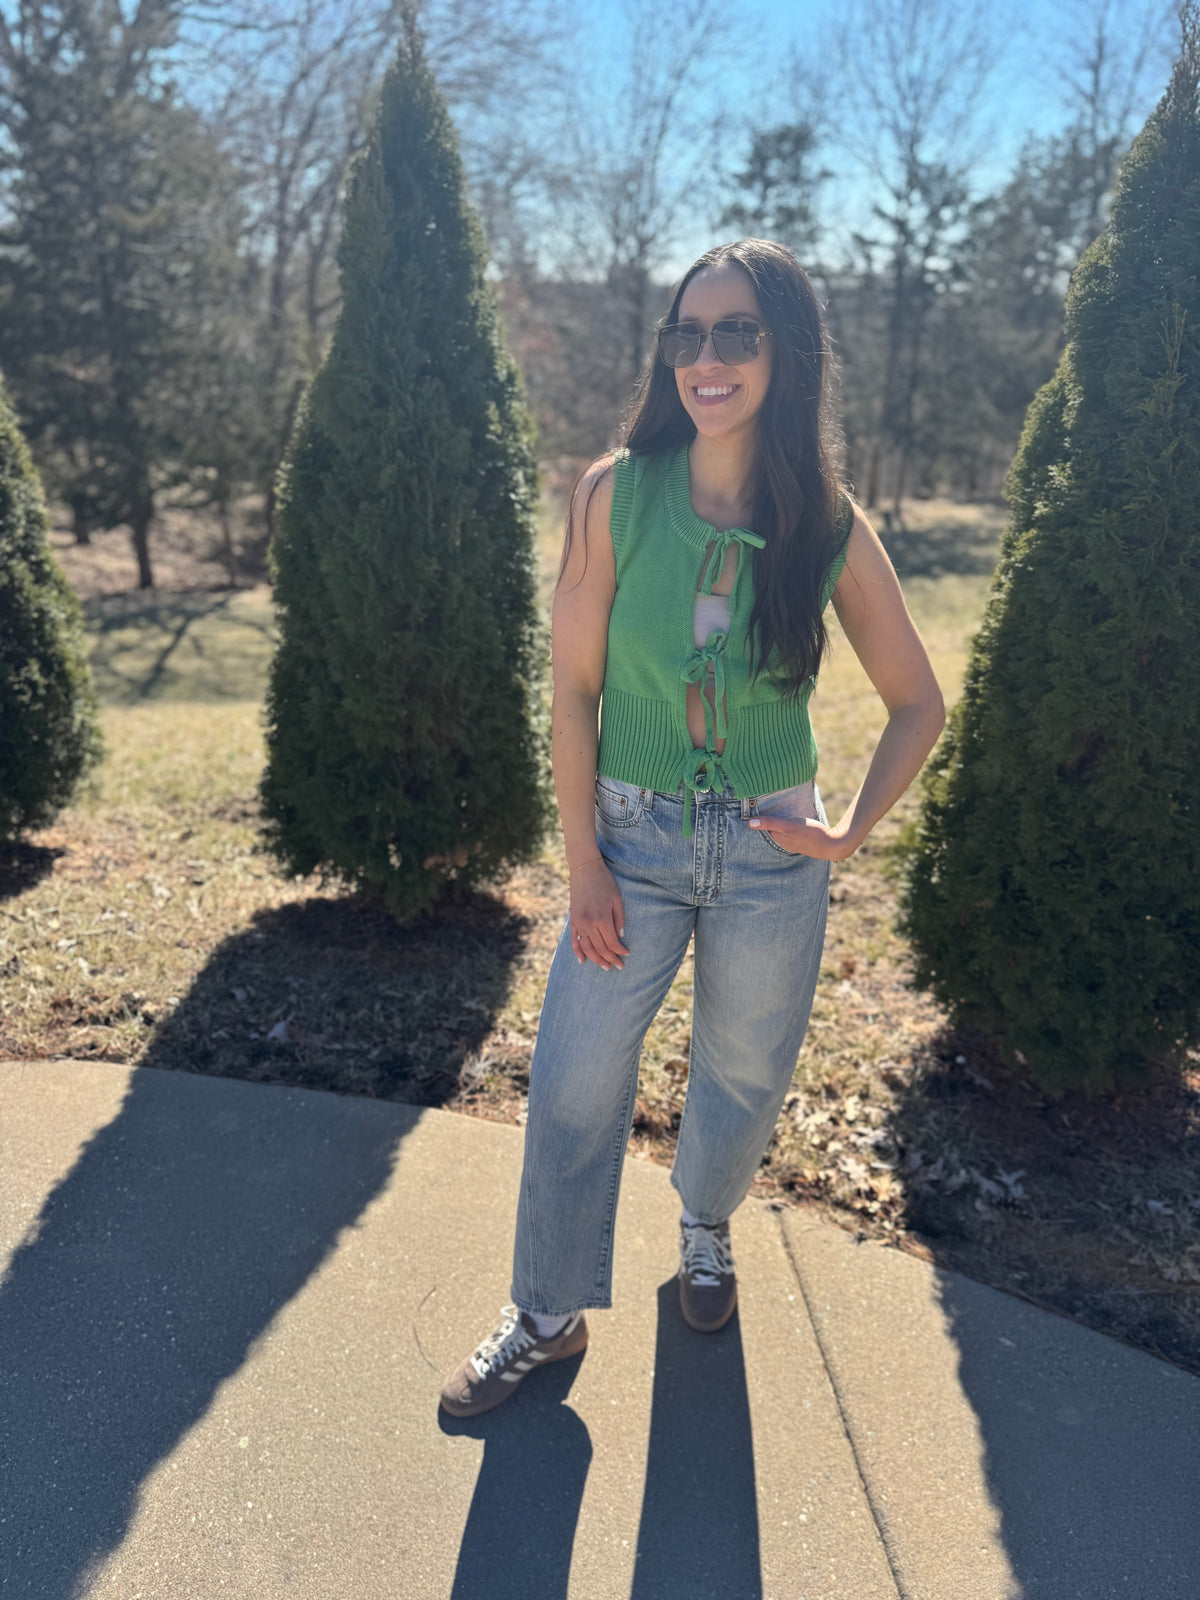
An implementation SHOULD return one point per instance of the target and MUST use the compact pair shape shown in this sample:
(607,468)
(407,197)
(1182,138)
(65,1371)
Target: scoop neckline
(685,519)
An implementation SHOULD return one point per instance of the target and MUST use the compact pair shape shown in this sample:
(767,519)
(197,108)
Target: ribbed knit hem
(640,743)
(773,748)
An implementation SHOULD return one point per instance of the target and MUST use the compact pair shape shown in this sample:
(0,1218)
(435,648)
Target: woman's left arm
(871,609)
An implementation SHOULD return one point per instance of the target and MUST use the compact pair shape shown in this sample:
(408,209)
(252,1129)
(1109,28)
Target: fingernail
(754,822)
(622,933)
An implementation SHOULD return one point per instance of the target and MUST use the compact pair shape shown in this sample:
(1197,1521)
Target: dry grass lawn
(148,926)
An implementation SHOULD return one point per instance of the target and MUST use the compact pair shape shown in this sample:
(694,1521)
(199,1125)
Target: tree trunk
(81,525)
(140,517)
(141,549)
(873,472)
(639,300)
(228,553)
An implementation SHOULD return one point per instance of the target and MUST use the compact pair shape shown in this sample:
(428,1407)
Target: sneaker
(707,1285)
(497,1366)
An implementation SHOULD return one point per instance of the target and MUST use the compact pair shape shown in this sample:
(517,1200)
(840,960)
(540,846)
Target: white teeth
(711,390)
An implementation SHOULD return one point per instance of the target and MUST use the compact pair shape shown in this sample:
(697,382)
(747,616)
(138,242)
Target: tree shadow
(331,993)
(942,546)
(1089,1443)
(23,866)
(191,1219)
(185,1226)
(1037,1196)
(1089,1451)
(133,642)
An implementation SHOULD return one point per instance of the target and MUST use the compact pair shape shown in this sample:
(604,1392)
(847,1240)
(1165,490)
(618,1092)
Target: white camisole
(712,611)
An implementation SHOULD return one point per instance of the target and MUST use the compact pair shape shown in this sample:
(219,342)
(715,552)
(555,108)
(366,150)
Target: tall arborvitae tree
(49,736)
(1054,885)
(406,729)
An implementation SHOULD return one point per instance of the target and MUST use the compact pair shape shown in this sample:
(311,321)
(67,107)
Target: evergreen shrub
(49,733)
(407,735)
(1053,880)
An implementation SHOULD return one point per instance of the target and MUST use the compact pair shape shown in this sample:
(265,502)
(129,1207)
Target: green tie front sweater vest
(659,544)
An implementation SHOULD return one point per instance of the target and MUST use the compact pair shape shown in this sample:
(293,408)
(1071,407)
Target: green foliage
(49,735)
(1053,889)
(779,187)
(120,284)
(404,710)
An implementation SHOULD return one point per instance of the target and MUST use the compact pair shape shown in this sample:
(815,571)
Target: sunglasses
(734,342)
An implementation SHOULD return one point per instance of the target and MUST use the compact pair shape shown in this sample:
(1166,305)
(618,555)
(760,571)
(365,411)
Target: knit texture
(659,543)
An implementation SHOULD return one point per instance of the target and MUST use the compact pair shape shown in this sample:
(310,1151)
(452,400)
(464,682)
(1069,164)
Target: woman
(697,564)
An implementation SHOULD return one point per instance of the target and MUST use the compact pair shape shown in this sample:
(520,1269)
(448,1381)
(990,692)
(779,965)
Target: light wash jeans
(758,915)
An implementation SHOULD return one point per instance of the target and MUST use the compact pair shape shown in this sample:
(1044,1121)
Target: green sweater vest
(659,544)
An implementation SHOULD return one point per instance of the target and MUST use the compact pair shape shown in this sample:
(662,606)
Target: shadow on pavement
(520,1529)
(1011,1187)
(1097,1498)
(698,1536)
(185,1226)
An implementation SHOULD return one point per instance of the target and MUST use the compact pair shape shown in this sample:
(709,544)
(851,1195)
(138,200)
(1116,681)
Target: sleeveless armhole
(624,482)
(843,527)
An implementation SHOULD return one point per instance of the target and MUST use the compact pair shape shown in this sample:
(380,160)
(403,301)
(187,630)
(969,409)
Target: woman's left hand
(806,837)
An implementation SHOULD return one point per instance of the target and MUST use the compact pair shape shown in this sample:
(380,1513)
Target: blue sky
(1022,95)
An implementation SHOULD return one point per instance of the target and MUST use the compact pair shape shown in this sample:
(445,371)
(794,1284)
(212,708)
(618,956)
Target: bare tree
(294,93)
(1107,61)
(637,172)
(909,85)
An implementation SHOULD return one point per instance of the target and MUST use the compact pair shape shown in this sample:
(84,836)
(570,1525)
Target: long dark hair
(796,482)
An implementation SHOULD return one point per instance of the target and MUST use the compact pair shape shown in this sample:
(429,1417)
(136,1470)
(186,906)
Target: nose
(707,340)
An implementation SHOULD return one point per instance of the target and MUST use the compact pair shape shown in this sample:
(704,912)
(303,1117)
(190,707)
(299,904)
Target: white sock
(688,1219)
(547,1327)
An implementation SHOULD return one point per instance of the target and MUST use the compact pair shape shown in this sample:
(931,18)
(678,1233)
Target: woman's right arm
(583,599)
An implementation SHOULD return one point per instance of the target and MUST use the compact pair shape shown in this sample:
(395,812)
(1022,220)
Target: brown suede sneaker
(707,1285)
(495,1368)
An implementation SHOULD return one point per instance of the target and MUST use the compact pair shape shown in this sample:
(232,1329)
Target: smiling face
(722,400)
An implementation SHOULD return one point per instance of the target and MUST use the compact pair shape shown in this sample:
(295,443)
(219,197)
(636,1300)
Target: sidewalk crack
(877,1513)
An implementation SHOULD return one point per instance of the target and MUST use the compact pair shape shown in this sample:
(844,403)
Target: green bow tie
(737,536)
(696,671)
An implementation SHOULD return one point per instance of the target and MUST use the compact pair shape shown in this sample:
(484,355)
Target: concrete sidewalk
(227,1311)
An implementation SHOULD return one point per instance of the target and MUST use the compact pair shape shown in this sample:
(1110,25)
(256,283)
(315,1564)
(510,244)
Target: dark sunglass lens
(736,342)
(679,344)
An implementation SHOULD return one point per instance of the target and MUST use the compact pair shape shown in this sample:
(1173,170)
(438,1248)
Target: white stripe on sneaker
(537,1355)
(511,1377)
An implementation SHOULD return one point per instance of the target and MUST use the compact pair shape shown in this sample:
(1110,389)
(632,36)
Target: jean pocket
(801,803)
(620,804)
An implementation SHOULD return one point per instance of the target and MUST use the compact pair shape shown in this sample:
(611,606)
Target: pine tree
(49,735)
(1053,889)
(118,260)
(406,729)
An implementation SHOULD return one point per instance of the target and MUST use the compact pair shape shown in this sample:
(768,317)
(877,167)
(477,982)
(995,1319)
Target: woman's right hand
(597,915)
